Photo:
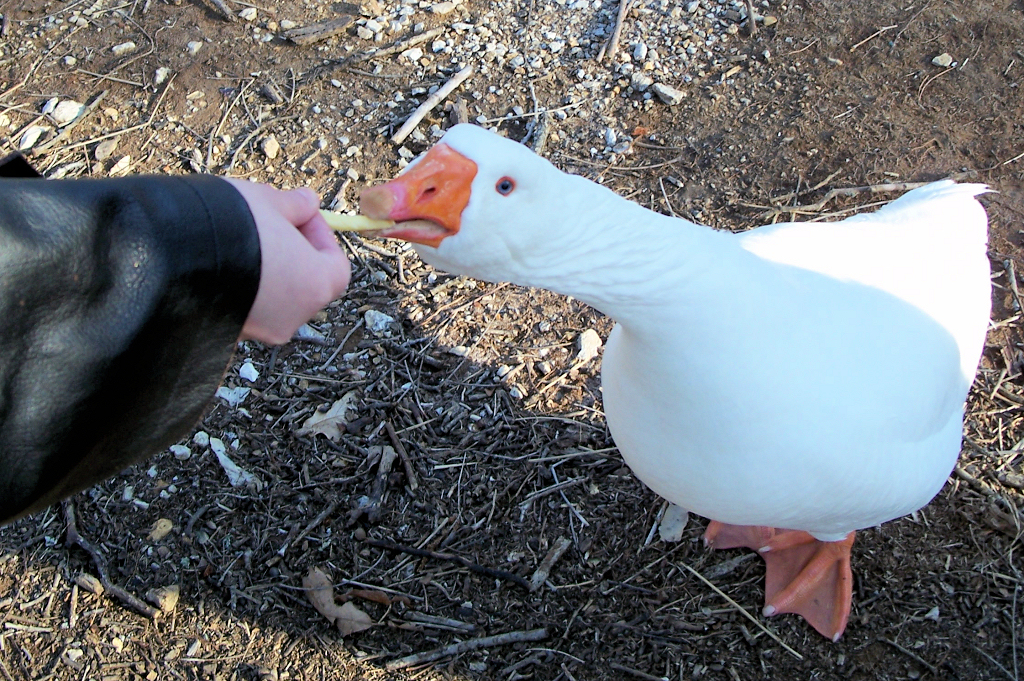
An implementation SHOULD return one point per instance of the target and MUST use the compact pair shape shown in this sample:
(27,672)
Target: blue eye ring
(505,186)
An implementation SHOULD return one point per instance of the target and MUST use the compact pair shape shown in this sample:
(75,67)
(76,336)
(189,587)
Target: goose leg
(803,575)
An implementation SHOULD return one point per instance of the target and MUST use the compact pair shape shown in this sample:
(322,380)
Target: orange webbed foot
(803,575)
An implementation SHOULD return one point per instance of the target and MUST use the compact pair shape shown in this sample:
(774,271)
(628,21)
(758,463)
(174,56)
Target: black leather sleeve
(121,301)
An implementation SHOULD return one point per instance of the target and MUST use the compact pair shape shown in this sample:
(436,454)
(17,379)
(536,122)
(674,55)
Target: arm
(121,303)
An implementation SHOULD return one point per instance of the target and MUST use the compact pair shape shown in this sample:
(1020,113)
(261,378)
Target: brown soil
(936,595)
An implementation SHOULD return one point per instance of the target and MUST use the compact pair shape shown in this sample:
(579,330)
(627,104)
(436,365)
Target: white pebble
(248,371)
(123,49)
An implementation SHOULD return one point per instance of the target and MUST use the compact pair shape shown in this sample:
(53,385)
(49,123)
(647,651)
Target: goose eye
(505,186)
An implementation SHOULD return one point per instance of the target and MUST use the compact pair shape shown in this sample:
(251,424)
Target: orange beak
(427,201)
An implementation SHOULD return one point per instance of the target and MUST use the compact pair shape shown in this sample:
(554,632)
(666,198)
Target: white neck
(623,259)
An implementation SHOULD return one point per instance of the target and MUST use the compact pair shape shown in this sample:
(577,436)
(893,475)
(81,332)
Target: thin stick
(431,101)
(400,46)
(996,663)
(111,78)
(541,575)
(912,655)
(424,553)
(331,507)
(75,539)
(466,646)
(387,458)
(634,672)
(873,35)
(410,472)
(610,47)
(751,24)
(746,614)
(223,8)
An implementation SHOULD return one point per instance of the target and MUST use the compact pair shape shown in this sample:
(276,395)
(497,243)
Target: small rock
(194,46)
(201,438)
(287,24)
(640,52)
(673,523)
(123,49)
(248,371)
(233,396)
(438,46)
(668,94)
(270,147)
(161,528)
(377,322)
(443,7)
(70,61)
(31,136)
(248,14)
(588,343)
(105,149)
(89,583)
(181,452)
(770,20)
(610,138)
(165,598)
(640,81)
(692,6)
(122,166)
(162,74)
(932,614)
(307,332)
(412,54)
(373,25)
(944,60)
(364,33)
(49,106)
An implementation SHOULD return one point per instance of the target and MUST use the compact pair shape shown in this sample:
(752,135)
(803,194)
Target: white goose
(807,376)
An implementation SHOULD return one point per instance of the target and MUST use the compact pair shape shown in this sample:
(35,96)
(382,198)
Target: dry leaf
(348,618)
(330,422)
(374,596)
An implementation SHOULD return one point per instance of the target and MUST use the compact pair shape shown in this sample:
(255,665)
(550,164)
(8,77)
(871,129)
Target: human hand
(303,267)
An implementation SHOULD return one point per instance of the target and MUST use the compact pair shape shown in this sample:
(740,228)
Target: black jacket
(121,301)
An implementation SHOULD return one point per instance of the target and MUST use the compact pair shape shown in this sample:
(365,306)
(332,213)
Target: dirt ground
(504,450)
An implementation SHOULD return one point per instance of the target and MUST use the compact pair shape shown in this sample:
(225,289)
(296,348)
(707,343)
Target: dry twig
(611,47)
(430,102)
(470,565)
(873,36)
(466,646)
(75,539)
(410,472)
(541,575)
(743,611)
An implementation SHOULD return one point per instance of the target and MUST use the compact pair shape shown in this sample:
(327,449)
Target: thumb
(298,206)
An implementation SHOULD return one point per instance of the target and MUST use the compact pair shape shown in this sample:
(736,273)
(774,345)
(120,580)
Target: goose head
(484,206)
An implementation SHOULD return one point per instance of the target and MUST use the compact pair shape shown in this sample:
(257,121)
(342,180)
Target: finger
(297,206)
(319,235)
